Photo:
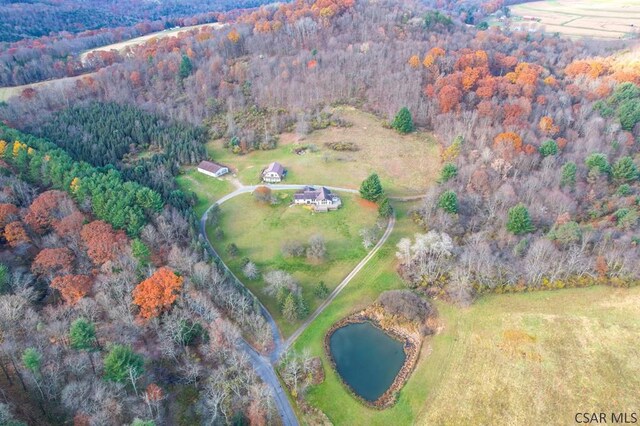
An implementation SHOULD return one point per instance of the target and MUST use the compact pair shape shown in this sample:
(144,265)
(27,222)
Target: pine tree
(289,308)
(449,171)
(549,147)
(519,221)
(568,174)
(625,170)
(385,210)
(185,67)
(448,202)
(371,188)
(403,122)
(140,251)
(122,364)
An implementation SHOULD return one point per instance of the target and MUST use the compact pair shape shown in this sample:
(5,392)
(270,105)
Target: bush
(293,249)
(232,250)
(519,221)
(567,233)
(342,146)
(407,304)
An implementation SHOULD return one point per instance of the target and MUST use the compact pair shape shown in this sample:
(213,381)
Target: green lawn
(207,188)
(260,230)
(407,164)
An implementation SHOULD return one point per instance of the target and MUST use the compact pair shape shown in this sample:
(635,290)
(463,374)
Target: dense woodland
(539,144)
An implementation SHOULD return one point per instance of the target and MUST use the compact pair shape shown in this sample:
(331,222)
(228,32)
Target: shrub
(232,250)
(342,146)
(518,221)
(292,249)
(407,304)
(567,233)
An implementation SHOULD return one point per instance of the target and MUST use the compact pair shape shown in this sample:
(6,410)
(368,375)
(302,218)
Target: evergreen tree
(321,291)
(32,359)
(82,335)
(519,221)
(403,122)
(140,251)
(185,67)
(625,170)
(122,364)
(448,202)
(449,171)
(5,285)
(302,309)
(568,174)
(289,308)
(371,188)
(549,147)
(385,209)
(598,162)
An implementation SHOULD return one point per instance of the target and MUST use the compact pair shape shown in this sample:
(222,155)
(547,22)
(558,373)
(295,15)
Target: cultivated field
(610,19)
(260,230)
(406,164)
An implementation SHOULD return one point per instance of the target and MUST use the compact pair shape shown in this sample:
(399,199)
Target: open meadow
(406,163)
(260,230)
(609,19)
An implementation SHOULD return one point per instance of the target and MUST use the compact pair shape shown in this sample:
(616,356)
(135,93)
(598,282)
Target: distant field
(260,231)
(143,39)
(610,19)
(407,164)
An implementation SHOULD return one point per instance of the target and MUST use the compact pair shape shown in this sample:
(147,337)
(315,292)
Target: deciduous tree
(157,293)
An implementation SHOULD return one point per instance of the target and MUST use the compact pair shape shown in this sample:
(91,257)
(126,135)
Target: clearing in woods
(610,19)
(407,164)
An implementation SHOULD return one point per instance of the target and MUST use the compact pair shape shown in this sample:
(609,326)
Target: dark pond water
(367,358)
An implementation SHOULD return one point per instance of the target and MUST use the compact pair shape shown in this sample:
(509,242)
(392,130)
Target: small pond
(367,358)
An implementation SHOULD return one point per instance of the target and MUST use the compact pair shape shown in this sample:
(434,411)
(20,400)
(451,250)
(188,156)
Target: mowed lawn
(260,230)
(406,163)
(208,189)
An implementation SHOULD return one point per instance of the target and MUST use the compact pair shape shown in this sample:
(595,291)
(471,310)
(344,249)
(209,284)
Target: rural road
(265,366)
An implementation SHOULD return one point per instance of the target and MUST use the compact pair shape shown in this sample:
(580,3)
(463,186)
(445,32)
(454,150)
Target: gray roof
(275,167)
(310,193)
(210,166)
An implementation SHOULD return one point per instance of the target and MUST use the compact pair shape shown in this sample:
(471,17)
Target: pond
(367,358)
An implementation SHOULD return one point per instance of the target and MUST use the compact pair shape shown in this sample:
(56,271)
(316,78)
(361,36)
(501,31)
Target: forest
(539,186)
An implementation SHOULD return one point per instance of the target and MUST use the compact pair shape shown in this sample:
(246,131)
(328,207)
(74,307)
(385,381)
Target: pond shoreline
(411,347)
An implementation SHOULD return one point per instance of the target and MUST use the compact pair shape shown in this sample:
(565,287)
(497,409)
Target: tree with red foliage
(449,98)
(8,214)
(157,293)
(69,225)
(15,234)
(102,241)
(53,261)
(46,209)
(72,288)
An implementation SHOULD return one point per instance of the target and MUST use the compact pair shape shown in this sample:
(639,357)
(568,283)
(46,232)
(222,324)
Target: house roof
(276,168)
(210,166)
(310,193)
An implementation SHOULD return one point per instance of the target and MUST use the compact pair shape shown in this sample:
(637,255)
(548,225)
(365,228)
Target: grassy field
(509,359)
(406,163)
(610,19)
(208,189)
(260,230)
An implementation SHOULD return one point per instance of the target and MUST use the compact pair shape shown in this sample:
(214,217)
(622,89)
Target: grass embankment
(260,230)
(406,163)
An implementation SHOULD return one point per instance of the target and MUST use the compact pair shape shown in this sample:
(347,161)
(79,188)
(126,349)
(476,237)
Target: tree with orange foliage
(233,36)
(414,61)
(547,126)
(8,214)
(102,241)
(449,98)
(510,139)
(69,225)
(157,293)
(72,288)
(53,261)
(44,209)
(15,234)
(469,78)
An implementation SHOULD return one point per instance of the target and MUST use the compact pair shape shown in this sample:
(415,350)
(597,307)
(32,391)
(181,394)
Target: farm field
(610,19)
(505,359)
(406,163)
(260,230)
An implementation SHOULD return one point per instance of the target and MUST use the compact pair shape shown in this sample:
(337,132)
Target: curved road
(264,366)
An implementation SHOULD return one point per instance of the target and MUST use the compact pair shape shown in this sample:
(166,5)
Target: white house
(322,199)
(212,169)
(274,173)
